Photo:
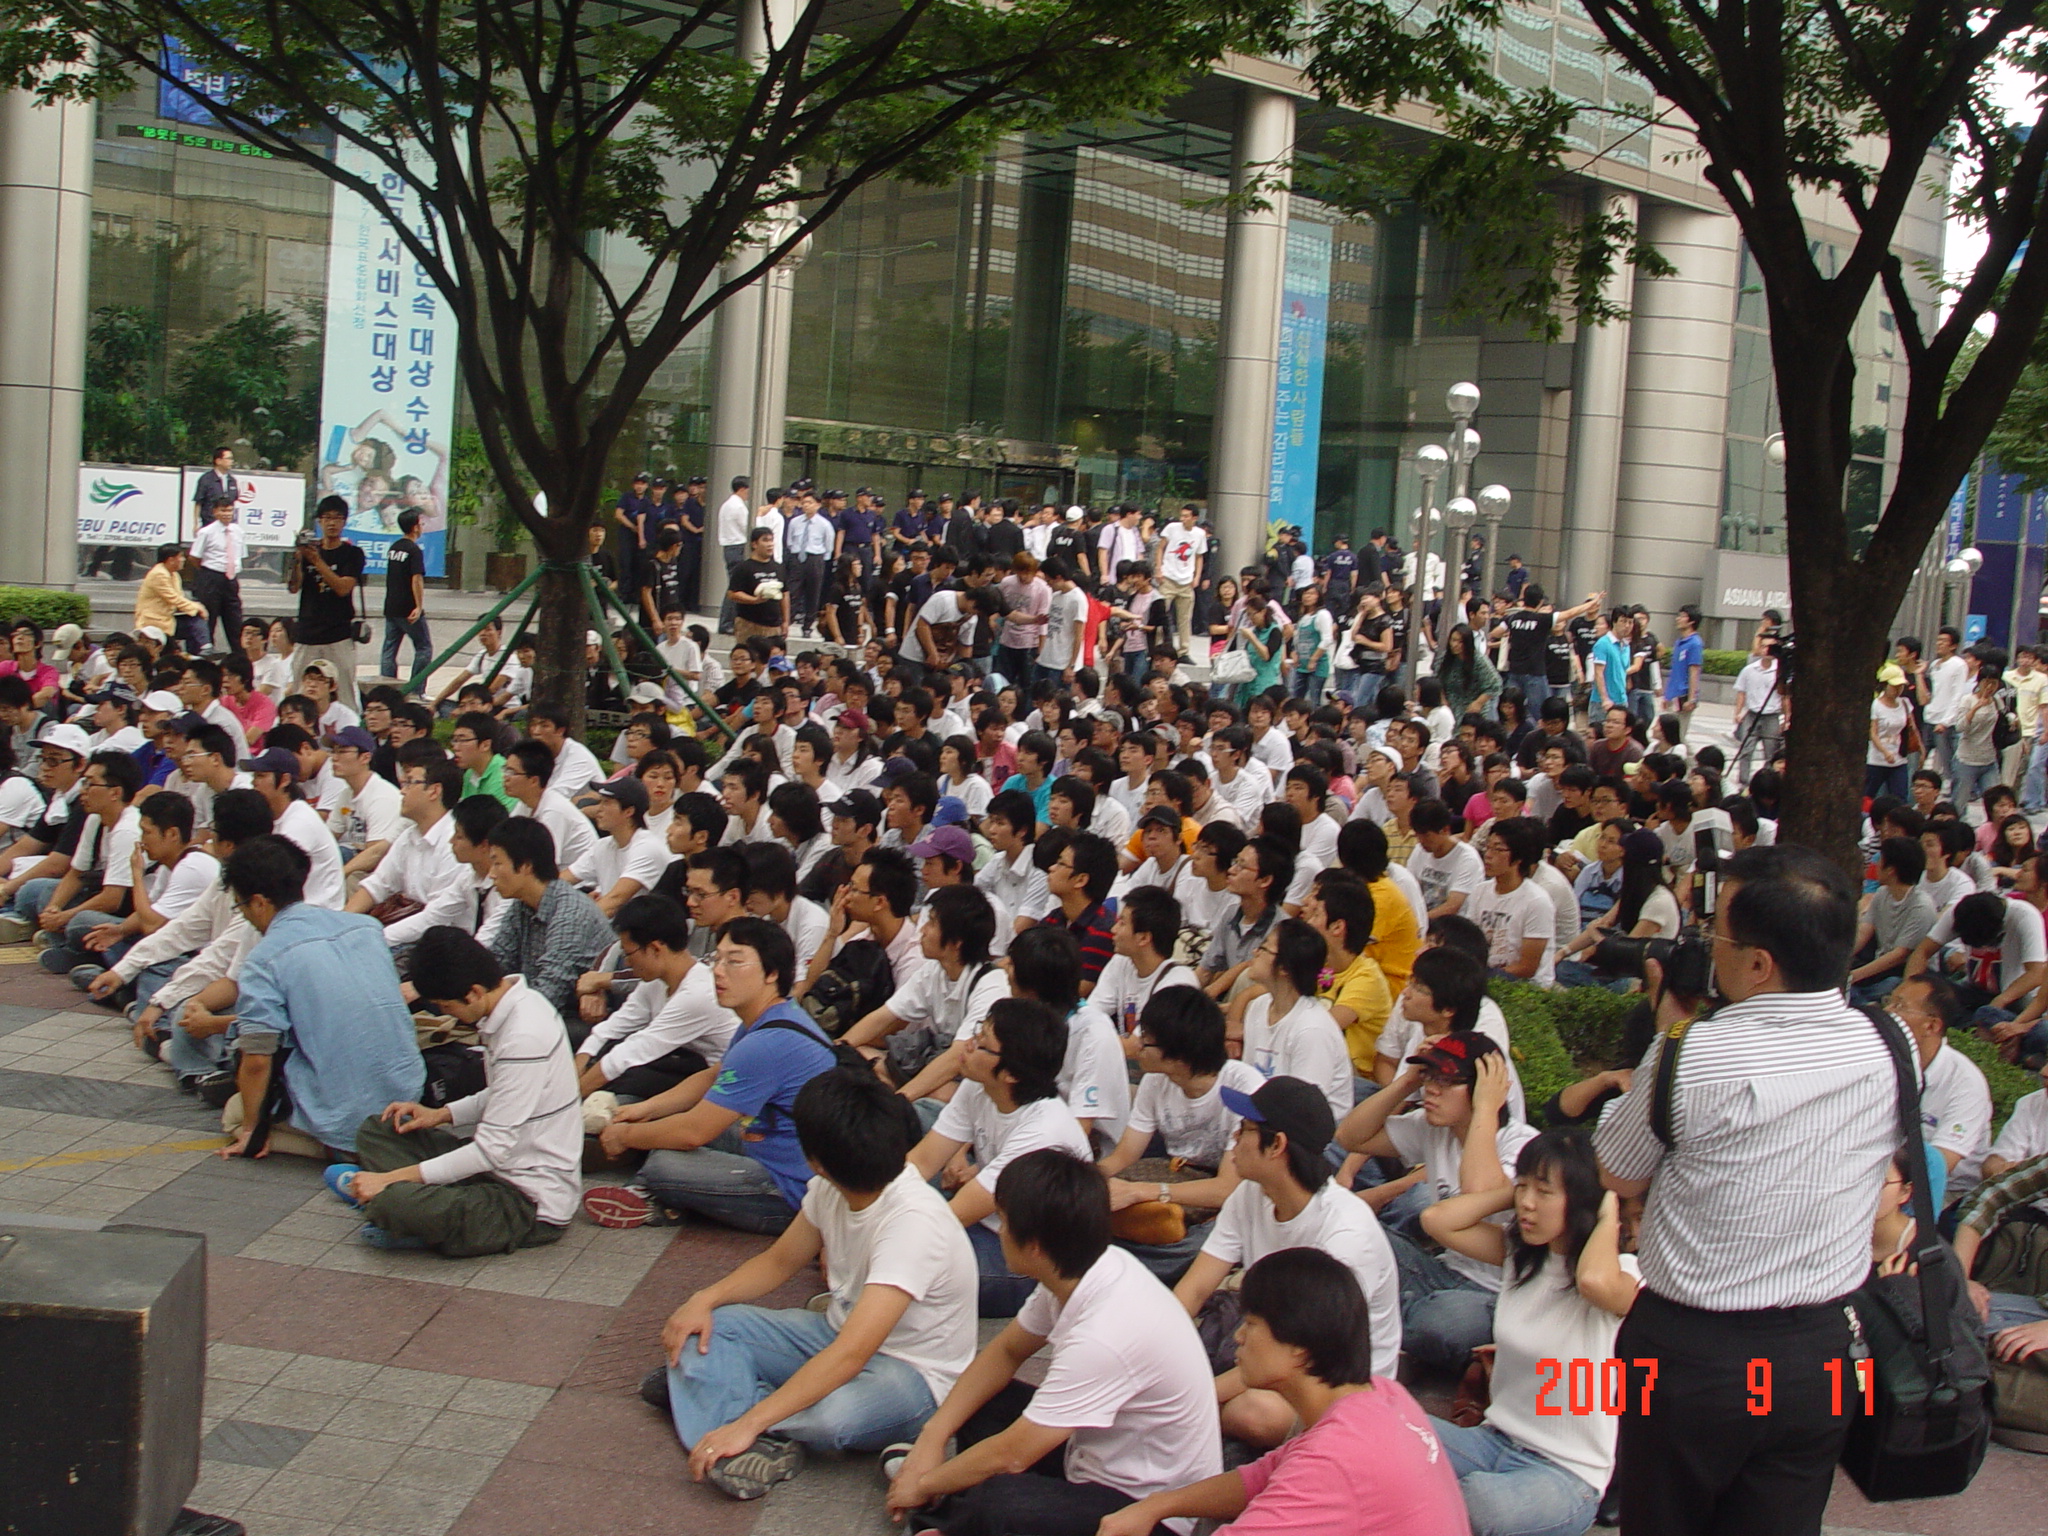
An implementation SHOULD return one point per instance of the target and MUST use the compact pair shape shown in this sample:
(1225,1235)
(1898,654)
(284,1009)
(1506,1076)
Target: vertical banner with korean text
(1298,386)
(387,385)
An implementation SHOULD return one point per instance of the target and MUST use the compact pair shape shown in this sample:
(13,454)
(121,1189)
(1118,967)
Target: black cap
(1296,1109)
(628,791)
(640,477)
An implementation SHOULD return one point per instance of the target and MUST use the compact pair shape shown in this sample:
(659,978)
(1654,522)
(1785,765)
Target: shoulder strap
(1930,1253)
(1666,1081)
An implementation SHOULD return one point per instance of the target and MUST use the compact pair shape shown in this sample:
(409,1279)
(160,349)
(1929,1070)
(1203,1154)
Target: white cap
(592,637)
(69,737)
(151,632)
(67,636)
(648,693)
(165,700)
(1073,514)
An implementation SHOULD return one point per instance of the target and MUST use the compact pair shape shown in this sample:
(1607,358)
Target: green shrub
(1724,663)
(1545,1065)
(45,607)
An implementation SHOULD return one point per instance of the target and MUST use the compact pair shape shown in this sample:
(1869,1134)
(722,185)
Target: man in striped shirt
(1783,1119)
(1079,881)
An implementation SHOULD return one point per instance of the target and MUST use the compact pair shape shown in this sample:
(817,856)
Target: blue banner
(176,104)
(387,379)
(1298,387)
(1958,509)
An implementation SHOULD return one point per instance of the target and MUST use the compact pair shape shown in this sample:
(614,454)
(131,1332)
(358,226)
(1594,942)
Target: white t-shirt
(324,885)
(1200,1129)
(939,608)
(1458,870)
(1129,1378)
(958,1006)
(573,832)
(1200,907)
(2026,1130)
(2024,942)
(1405,881)
(1545,1318)
(172,891)
(1441,1154)
(909,1240)
(1305,1042)
(21,803)
(1121,993)
(1094,1078)
(1891,727)
(360,817)
(1550,879)
(576,768)
(1068,609)
(997,1139)
(644,857)
(1511,919)
(1340,1224)
(1955,1110)
(806,925)
(1949,889)
(1181,549)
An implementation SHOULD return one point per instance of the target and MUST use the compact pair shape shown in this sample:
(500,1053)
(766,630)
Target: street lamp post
(1494,501)
(1429,464)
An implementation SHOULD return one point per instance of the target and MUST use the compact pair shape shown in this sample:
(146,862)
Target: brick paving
(351,1390)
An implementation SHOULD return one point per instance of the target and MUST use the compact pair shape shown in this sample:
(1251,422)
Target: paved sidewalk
(351,1390)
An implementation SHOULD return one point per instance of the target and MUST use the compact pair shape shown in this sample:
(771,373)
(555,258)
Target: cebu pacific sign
(126,504)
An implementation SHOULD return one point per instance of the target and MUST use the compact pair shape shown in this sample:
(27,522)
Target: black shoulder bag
(1923,1423)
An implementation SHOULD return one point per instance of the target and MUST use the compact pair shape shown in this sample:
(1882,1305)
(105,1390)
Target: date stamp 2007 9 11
(1602,1386)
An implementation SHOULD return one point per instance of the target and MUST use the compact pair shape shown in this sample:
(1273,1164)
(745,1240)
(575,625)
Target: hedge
(1562,1037)
(46,608)
(1724,663)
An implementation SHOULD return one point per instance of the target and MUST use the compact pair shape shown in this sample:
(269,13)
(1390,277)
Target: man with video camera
(1783,1117)
(325,569)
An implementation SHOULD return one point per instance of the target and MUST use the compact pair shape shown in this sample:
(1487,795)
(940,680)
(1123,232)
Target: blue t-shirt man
(1688,656)
(1610,669)
(911,526)
(759,1078)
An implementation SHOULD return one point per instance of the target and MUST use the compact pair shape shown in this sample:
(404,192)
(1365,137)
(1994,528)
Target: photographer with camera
(1761,705)
(1760,1134)
(326,570)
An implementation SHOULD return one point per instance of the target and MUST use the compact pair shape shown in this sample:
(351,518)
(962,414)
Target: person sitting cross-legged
(751,1388)
(1008,1105)
(1126,1407)
(721,1142)
(1287,1199)
(1367,1458)
(512,1182)
(1565,1287)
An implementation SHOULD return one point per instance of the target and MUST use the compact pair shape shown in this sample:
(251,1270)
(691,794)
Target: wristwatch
(1164,1198)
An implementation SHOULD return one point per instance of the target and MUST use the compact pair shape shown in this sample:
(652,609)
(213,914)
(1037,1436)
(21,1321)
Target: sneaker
(892,1459)
(83,976)
(336,1178)
(15,930)
(378,1237)
(598,1110)
(768,1461)
(620,1206)
(654,1388)
(216,1088)
(44,939)
(820,1303)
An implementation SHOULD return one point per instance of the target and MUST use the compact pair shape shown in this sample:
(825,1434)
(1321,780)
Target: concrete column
(749,346)
(1254,261)
(1600,379)
(45,248)
(1667,509)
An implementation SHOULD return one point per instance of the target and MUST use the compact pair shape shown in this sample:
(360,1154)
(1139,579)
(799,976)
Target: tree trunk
(1842,629)
(563,621)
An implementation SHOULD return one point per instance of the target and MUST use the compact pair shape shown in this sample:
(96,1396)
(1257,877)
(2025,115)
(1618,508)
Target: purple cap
(272,760)
(352,736)
(944,842)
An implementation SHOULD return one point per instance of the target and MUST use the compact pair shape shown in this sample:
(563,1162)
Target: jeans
(1970,780)
(1308,686)
(59,959)
(2014,1312)
(1535,688)
(1169,1261)
(2033,1042)
(1512,1491)
(2034,788)
(720,1181)
(397,629)
(1037,1502)
(734,554)
(754,1350)
(1942,744)
(1002,1293)
(1642,703)
(1444,1315)
(33,896)
(1367,688)
(188,1055)
(1885,779)
(1759,733)
(1875,990)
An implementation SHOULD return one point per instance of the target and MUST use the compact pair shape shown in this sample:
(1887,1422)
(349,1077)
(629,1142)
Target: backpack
(842,1055)
(858,981)
(909,1051)
(2005,728)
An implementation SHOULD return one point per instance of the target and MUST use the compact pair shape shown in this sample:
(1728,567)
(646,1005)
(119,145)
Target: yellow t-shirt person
(1361,989)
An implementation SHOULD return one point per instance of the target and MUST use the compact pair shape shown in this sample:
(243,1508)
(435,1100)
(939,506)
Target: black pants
(658,1075)
(1740,1437)
(1040,1502)
(223,600)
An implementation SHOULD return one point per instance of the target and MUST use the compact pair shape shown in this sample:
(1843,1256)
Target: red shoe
(619,1206)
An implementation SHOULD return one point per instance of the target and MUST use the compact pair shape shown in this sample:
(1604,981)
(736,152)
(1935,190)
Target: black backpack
(858,981)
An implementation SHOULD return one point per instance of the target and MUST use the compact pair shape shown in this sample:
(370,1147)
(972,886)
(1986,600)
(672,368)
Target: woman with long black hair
(1468,679)
(1646,909)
